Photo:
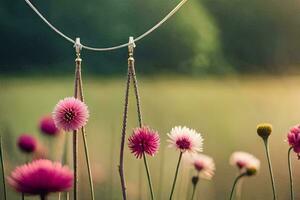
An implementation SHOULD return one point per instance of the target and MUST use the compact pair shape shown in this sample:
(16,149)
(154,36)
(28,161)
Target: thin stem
(75,132)
(290,173)
(235,182)
(136,92)
(194,188)
(270,168)
(75,163)
(123,134)
(3,170)
(148,176)
(67,196)
(43,197)
(86,150)
(65,160)
(83,131)
(139,110)
(238,192)
(175,178)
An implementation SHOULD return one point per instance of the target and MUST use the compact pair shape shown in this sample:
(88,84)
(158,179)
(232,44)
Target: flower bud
(264,130)
(195,180)
(251,171)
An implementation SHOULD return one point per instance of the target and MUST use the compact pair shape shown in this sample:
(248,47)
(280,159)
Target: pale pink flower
(70,114)
(41,177)
(244,161)
(185,139)
(143,140)
(203,164)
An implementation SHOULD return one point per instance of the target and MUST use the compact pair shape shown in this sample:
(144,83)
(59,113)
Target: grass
(225,110)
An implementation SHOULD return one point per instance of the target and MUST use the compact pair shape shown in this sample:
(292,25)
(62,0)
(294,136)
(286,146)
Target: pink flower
(185,139)
(143,140)
(203,164)
(27,143)
(244,161)
(294,138)
(47,126)
(41,177)
(70,114)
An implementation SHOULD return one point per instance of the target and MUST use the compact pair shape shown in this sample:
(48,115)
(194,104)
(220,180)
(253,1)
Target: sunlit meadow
(224,110)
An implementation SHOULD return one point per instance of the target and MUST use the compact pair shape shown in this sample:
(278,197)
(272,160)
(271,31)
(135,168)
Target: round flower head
(143,140)
(41,177)
(245,162)
(264,130)
(203,164)
(185,139)
(47,126)
(70,114)
(27,143)
(293,139)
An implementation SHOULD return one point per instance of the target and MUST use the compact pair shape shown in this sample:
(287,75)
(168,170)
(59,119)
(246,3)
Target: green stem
(2,167)
(148,176)
(270,168)
(238,192)
(65,159)
(235,182)
(290,173)
(88,163)
(75,164)
(194,190)
(175,178)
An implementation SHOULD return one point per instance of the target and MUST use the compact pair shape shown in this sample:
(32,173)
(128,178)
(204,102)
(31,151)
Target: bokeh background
(220,67)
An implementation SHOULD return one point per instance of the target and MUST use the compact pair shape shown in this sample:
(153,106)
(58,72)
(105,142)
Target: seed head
(264,130)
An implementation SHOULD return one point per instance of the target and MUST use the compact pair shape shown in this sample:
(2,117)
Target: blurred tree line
(204,37)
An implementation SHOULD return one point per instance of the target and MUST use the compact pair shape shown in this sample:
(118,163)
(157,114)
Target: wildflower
(264,130)
(143,140)
(41,177)
(245,161)
(247,164)
(204,165)
(27,143)
(293,138)
(47,126)
(185,139)
(70,114)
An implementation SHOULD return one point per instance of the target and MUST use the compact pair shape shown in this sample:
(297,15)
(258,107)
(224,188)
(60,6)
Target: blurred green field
(225,110)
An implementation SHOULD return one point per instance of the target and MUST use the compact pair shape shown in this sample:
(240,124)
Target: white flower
(244,161)
(185,139)
(203,164)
